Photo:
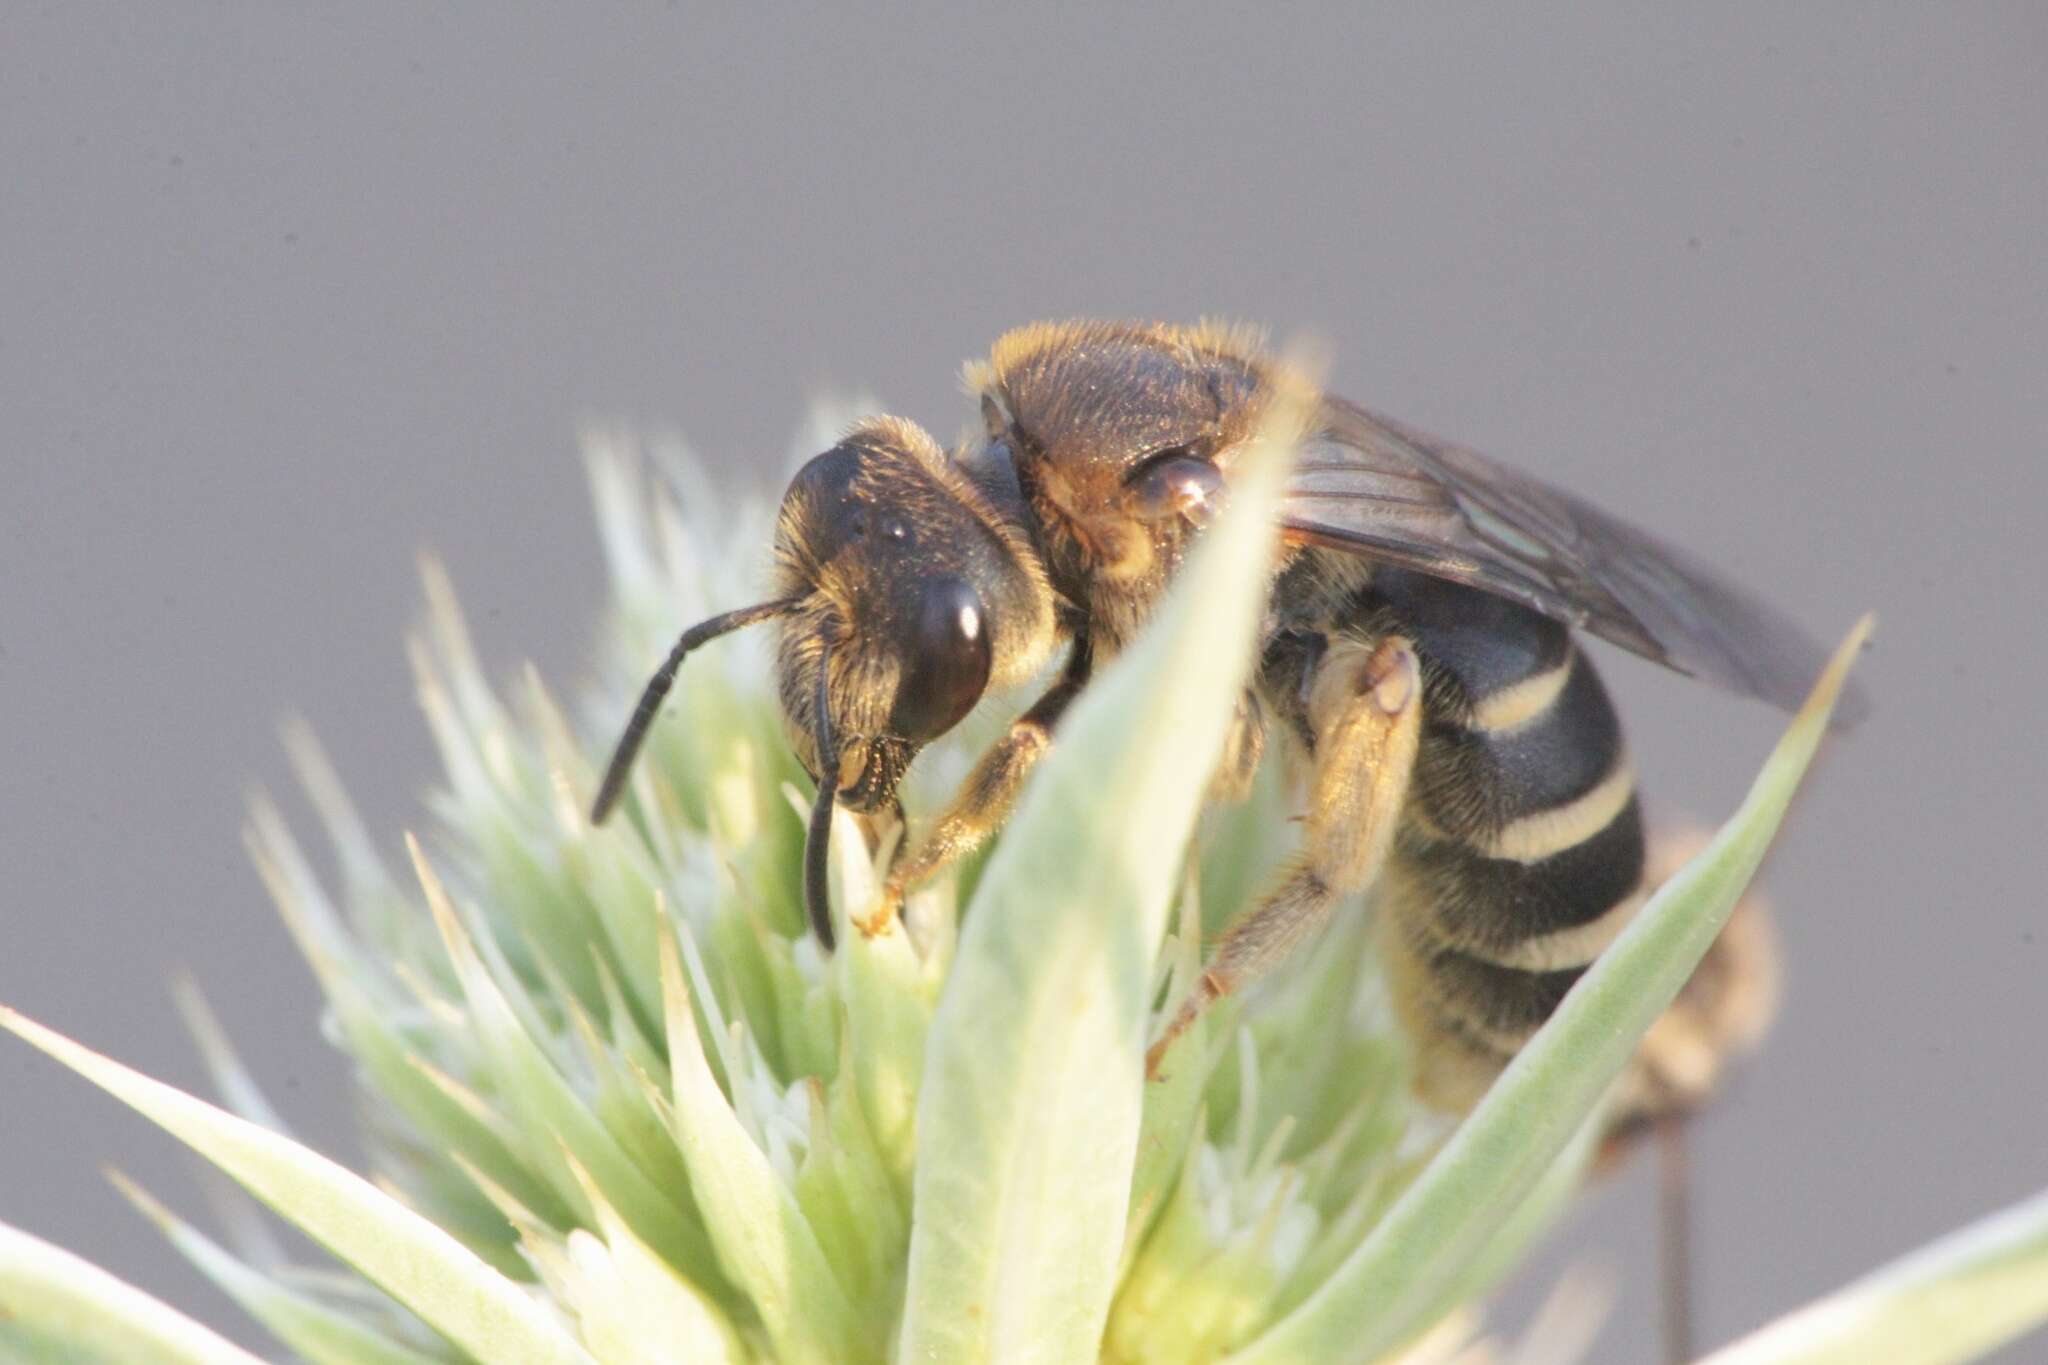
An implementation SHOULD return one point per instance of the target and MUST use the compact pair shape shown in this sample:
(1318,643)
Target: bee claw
(882,918)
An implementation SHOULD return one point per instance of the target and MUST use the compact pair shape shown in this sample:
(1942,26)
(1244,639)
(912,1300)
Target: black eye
(1176,483)
(946,664)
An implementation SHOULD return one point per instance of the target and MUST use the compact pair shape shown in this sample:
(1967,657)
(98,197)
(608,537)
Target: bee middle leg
(1242,750)
(1364,703)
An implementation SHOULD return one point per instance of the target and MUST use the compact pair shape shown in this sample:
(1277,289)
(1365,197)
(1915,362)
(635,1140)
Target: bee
(1463,759)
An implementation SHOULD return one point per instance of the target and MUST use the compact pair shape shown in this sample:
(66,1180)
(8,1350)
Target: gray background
(289,292)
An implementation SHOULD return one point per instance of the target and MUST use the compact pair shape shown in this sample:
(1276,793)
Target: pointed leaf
(410,1258)
(552,1110)
(763,1241)
(1954,1299)
(54,1306)
(321,1333)
(634,1307)
(1028,1125)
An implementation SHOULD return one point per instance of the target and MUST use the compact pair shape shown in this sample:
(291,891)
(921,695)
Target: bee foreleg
(1365,703)
(983,800)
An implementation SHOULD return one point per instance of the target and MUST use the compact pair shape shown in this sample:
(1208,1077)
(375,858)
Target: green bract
(623,1109)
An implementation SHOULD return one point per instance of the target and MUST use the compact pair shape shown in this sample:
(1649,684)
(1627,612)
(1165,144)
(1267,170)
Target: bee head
(915,589)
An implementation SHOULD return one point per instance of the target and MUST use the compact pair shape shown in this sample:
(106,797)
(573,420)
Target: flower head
(623,1107)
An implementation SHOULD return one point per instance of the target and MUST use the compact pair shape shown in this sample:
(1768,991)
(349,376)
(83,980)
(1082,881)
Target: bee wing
(1371,486)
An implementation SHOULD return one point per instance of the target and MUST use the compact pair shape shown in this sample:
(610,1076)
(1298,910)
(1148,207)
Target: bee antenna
(614,784)
(818,839)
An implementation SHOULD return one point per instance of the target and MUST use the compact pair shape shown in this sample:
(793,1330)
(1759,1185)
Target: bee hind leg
(1365,705)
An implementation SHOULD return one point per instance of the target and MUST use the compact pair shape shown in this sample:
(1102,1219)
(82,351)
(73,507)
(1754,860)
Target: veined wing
(1372,486)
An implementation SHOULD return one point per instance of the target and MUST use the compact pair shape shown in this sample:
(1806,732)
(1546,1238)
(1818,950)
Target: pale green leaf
(635,1309)
(323,1334)
(237,1088)
(889,994)
(410,1258)
(54,1306)
(1382,1294)
(557,1119)
(1173,1117)
(392,1066)
(850,1198)
(763,1242)
(1954,1299)
(1029,1119)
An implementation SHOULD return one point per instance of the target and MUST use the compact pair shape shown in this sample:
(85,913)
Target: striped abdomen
(1520,854)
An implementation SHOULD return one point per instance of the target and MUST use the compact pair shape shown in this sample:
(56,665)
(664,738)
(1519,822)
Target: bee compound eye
(947,659)
(1177,483)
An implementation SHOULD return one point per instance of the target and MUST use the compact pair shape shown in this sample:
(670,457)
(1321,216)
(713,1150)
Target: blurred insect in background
(1462,759)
